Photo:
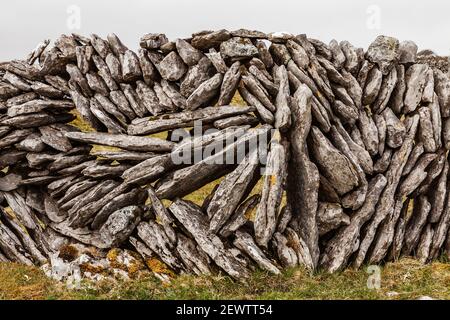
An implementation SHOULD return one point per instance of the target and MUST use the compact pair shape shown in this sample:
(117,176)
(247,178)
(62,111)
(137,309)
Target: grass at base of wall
(405,279)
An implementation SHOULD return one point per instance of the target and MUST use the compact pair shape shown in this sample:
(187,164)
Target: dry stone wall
(351,152)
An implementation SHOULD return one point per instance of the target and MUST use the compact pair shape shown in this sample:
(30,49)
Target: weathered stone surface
(231,191)
(407,52)
(257,90)
(416,223)
(264,54)
(442,89)
(96,83)
(131,69)
(348,114)
(272,191)
(191,218)
(137,108)
(426,134)
(113,125)
(204,92)
(362,155)
(153,40)
(229,84)
(396,100)
(184,119)
(240,215)
(345,242)
(384,52)
(303,177)
(149,72)
(380,122)
(433,171)
(188,53)
(415,78)
(428,91)
(387,87)
(369,132)
(196,75)
(103,71)
(120,225)
(114,67)
(238,48)
(395,129)
(417,175)
(39,105)
(385,232)
(282,101)
(173,92)
(172,67)
(298,54)
(335,166)
(216,59)
(123,141)
(438,195)
(245,243)
(14,137)
(330,216)
(55,138)
(386,202)
(10,182)
(338,56)
(207,170)
(210,39)
(382,164)
(351,56)
(264,114)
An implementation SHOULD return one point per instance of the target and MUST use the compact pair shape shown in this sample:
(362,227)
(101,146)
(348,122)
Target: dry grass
(407,278)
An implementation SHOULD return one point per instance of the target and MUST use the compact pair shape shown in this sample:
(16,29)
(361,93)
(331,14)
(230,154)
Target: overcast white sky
(25,23)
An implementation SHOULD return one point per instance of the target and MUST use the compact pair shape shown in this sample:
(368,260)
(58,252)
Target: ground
(405,279)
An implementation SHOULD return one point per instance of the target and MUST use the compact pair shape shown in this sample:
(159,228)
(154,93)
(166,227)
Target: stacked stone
(357,142)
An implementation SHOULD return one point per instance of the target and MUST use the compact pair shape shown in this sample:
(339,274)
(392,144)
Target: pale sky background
(25,23)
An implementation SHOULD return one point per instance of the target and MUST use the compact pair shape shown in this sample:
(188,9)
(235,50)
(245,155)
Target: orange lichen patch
(135,268)
(93,269)
(158,266)
(94,252)
(292,244)
(68,253)
(112,258)
(133,265)
(10,212)
(273,179)
(250,215)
